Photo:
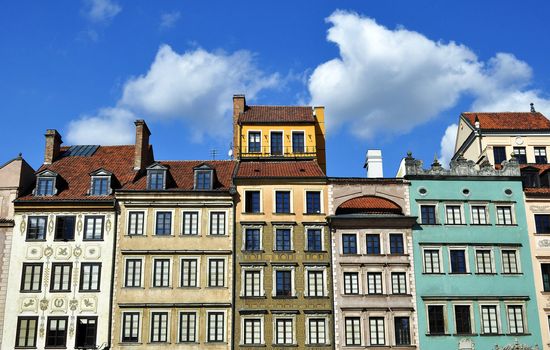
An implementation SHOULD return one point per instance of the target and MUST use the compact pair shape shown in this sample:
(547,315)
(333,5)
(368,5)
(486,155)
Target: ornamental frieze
(29,305)
(34,253)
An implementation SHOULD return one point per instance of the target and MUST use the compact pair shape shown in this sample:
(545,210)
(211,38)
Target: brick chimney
(53,145)
(239,104)
(142,153)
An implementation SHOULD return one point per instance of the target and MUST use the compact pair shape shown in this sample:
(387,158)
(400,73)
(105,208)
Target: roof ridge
(289,106)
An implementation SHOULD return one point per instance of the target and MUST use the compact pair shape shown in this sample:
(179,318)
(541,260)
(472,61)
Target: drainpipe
(113,268)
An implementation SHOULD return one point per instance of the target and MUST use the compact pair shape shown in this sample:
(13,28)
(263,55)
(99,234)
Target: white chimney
(373,163)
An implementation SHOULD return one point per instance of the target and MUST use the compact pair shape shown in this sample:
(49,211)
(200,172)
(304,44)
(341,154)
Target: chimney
(373,163)
(142,154)
(53,145)
(239,104)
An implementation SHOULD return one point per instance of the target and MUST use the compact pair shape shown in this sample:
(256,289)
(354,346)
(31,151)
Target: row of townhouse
(107,247)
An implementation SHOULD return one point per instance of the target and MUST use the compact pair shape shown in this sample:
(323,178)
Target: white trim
(314,227)
(170,270)
(291,198)
(262,333)
(282,141)
(248,141)
(243,209)
(226,268)
(209,223)
(492,256)
(245,269)
(142,270)
(282,227)
(357,244)
(440,258)
(292,139)
(145,213)
(445,316)
(197,322)
(327,325)
(461,208)
(473,325)
(198,272)
(168,325)
(284,316)
(244,228)
(321,201)
(207,325)
(499,323)
(437,212)
(518,260)
(487,212)
(139,328)
(292,270)
(172,222)
(523,315)
(466,258)
(199,222)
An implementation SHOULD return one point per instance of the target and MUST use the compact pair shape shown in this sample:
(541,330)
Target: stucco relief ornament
(23,225)
(77,251)
(516,346)
(44,304)
(50,224)
(73,304)
(544,243)
(48,251)
(79,224)
(108,225)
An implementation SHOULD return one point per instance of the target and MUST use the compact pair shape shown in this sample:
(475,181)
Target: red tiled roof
(509,120)
(541,167)
(303,169)
(370,205)
(541,191)
(277,114)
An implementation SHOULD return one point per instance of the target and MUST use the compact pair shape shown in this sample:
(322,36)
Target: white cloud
(110,126)
(101,10)
(448,144)
(169,19)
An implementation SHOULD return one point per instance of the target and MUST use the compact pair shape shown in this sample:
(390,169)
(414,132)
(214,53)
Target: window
(396,243)
(203,179)
(427,215)
(252,239)
(431,261)
(314,240)
(93,229)
(479,215)
(509,261)
(276,143)
(373,244)
(282,201)
(45,186)
(349,244)
(458,261)
(36,227)
(135,223)
(188,325)
(376,331)
(283,240)
(64,228)
(500,154)
(489,323)
(399,282)
(504,215)
(100,186)
(519,152)
(254,142)
(436,320)
(283,283)
(90,275)
(284,333)
(454,216)
(353,331)
(313,202)
(56,332)
(216,273)
(252,202)
(315,284)
(155,179)
(188,272)
(164,223)
(130,327)
(515,319)
(252,331)
(217,223)
(484,262)
(540,155)
(317,331)
(159,327)
(542,223)
(215,326)
(191,223)
(545,269)
(26,332)
(298,142)
(462,319)
(161,272)
(252,283)
(530,177)
(351,283)
(86,331)
(374,282)
(31,280)
(402,331)
(61,277)
(132,276)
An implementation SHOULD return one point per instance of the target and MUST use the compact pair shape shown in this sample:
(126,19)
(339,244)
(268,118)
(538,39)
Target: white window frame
(226,223)
(445,317)
(282,141)
(277,317)
(199,222)
(168,326)
(291,191)
(282,227)
(407,289)
(321,196)
(359,282)
(261,141)
(512,214)
(461,211)
(172,223)
(440,260)
(197,321)
(384,326)
(252,189)
(292,270)
(170,270)
(437,212)
(499,325)
(308,269)
(225,323)
(472,315)
(387,246)
(198,273)
(85,229)
(259,317)
(226,267)
(487,214)
(327,325)
(382,282)
(245,269)
(141,279)
(361,330)
(258,227)
(518,260)
(314,227)
(466,257)
(492,256)
(139,328)
(523,315)
(144,229)
(357,243)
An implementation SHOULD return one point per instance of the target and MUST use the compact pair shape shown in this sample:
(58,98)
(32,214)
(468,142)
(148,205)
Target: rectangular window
(313,202)
(317,331)
(44,186)
(283,241)
(100,186)
(462,319)
(93,228)
(31,280)
(374,282)
(130,327)
(479,215)
(540,155)
(215,326)
(90,275)
(252,202)
(399,282)
(189,272)
(155,179)
(298,142)
(252,331)
(436,320)
(519,152)
(217,223)
(500,154)
(216,273)
(252,283)
(282,201)
(86,332)
(26,332)
(509,261)
(515,319)
(161,273)
(545,269)
(56,332)
(188,324)
(351,283)
(373,244)
(353,331)
(458,261)
(203,179)
(314,240)
(349,244)
(504,215)
(61,277)
(135,223)
(283,283)
(164,223)
(276,143)
(191,222)
(427,214)
(489,319)
(396,243)
(402,331)
(484,262)
(284,333)
(159,327)
(454,214)
(254,142)
(64,228)
(132,277)
(542,223)
(376,331)
(431,261)
(36,227)
(252,239)
(315,284)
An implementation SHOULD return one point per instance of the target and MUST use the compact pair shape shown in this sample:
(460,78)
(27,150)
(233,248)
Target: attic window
(45,183)
(101,186)
(203,179)
(156,179)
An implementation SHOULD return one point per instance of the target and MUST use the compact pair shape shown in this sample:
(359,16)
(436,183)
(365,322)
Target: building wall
(308,129)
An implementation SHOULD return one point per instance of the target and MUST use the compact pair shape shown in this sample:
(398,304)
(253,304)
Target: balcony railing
(278,152)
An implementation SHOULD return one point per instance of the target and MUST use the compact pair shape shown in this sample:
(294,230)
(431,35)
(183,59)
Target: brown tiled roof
(277,114)
(537,191)
(369,205)
(502,121)
(541,167)
(280,169)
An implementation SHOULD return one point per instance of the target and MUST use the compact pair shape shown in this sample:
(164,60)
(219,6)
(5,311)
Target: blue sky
(393,75)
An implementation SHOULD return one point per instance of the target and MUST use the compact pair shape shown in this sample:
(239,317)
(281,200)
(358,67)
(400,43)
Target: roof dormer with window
(156,177)
(204,177)
(101,184)
(46,183)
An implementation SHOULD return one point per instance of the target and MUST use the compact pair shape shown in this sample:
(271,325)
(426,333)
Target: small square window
(100,186)
(45,186)
(349,244)
(373,244)
(156,179)
(427,215)
(203,179)
(542,223)
(540,155)
(283,239)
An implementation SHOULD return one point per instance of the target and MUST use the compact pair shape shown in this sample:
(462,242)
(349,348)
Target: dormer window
(101,183)
(204,177)
(45,184)
(156,177)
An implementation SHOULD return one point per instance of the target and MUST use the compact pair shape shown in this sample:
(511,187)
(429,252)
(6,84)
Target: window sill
(491,334)
(252,213)
(465,334)
(252,345)
(438,334)
(132,236)
(512,274)
(253,251)
(60,291)
(161,287)
(446,224)
(89,291)
(285,345)
(517,334)
(130,343)
(318,345)
(30,292)
(283,251)
(253,297)
(163,236)
(137,287)
(315,251)
(284,297)
(313,214)
(316,297)
(34,240)
(93,240)
(506,225)
(189,287)
(436,224)
(189,234)
(460,273)
(434,273)
(486,274)
(289,213)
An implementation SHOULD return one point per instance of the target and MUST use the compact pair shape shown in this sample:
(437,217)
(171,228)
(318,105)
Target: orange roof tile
(369,205)
(502,121)
(267,169)
(277,114)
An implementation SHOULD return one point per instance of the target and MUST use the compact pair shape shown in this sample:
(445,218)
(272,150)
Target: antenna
(213,153)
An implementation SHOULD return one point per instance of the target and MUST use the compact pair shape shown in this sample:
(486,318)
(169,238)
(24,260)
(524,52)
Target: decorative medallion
(48,251)
(29,304)
(79,224)
(519,140)
(63,252)
(23,225)
(50,223)
(59,304)
(73,304)
(108,224)
(544,243)
(77,252)
(88,304)
(34,252)
(44,304)
(92,252)
(466,344)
